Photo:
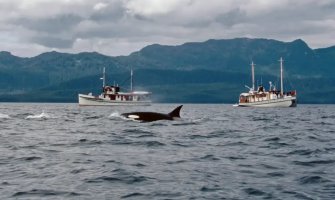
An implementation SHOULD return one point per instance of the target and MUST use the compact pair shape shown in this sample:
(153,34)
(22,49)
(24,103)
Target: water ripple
(45,193)
(214,152)
(312,180)
(134,194)
(118,179)
(314,163)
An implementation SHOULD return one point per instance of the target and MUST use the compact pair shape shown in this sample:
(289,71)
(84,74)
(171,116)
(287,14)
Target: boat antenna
(131,79)
(253,74)
(250,89)
(281,76)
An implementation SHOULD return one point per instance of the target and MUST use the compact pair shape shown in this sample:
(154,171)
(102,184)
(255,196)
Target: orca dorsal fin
(175,112)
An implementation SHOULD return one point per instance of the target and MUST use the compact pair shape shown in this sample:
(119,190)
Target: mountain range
(214,71)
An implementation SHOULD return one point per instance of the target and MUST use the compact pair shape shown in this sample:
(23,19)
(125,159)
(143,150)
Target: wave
(213,134)
(262,119)
(4,116)
(186,122)
(304,152)
(328,117)
(77,171)
(312,180)
(272,139)
(138,131)
(30,158)
(314,162)
(235,157)
(276,174)
(40,192)
(255,192)
(209,157)
(94,117)
(87,142)
(43,115)
(139,165)
(153,143)
(210,189)
(134,194)
(298,195)
(115,115)
(136,142)
(176,162)
(166,195)
(118,179)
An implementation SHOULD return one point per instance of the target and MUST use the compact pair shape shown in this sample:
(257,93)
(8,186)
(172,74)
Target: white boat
(112,96)
(271,98)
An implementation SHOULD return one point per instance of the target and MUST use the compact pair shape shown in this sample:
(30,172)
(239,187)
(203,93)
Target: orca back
(153,116)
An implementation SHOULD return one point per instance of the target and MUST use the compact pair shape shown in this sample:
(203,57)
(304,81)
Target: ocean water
(216,151)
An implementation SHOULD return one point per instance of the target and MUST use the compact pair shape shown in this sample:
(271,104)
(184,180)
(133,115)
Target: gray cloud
(232,17)
(51,25)
(116,27)
(108,12)
(53,42)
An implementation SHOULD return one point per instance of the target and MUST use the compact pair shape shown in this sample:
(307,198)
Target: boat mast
(104,78)
(253,75)
(131,79)
(281,76)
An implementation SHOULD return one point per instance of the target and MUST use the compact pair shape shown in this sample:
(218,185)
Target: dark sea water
(214,152)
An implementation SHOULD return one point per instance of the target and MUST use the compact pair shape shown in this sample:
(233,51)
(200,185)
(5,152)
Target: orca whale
(153,116)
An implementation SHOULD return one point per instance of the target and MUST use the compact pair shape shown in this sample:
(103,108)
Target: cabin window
(243,99)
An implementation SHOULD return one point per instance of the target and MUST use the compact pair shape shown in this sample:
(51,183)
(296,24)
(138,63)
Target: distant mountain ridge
(195,66)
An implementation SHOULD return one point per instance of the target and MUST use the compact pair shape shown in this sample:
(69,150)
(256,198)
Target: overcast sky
(119,27)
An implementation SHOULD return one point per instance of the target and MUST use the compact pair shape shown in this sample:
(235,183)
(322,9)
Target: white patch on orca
(133,116)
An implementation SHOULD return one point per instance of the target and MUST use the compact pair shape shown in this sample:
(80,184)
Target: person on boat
(260,88)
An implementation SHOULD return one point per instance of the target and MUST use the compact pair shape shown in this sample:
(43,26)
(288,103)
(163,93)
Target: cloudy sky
(119,27)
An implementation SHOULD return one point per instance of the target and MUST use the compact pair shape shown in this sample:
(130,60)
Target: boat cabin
(111,89)
(113,93)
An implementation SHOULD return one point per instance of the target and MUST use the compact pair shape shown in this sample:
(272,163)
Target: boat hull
(274,103)
(89,100)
